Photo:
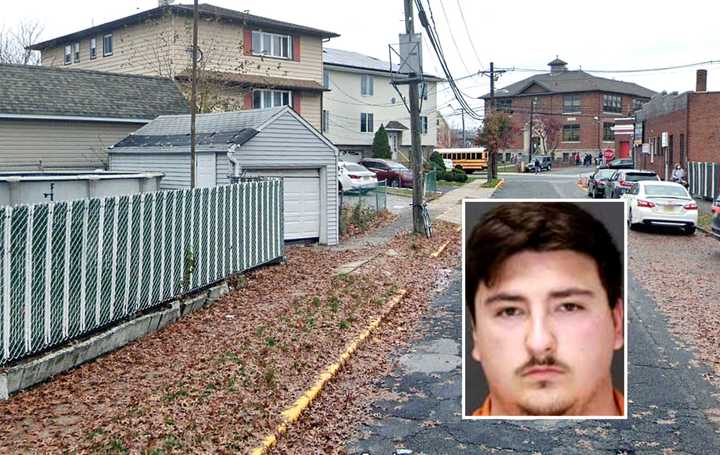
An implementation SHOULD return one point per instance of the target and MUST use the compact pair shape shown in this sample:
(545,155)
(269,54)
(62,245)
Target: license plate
(669,208)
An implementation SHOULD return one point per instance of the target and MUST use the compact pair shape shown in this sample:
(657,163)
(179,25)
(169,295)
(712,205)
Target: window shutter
(296,101)
(247,44)
(296,48)
(248,104)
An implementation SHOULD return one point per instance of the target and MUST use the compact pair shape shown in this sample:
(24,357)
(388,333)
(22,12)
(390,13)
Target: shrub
(381,144)
(437,161)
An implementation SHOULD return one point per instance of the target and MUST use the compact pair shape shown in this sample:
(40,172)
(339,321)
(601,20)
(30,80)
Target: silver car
(355,177)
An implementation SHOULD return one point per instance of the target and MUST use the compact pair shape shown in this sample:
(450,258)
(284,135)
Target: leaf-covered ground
(217,381)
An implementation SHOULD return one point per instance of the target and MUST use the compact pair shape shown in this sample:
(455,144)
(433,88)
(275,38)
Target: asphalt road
(670,404)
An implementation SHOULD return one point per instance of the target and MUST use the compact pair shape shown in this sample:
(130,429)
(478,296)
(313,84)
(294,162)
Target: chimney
(701,81)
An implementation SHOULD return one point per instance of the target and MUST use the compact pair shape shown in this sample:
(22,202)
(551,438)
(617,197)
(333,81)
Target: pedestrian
(678,175)
(577,159)
(543,289)
(536,166)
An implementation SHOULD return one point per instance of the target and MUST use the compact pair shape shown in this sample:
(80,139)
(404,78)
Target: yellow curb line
(291,414)
(584,188)
(440,250)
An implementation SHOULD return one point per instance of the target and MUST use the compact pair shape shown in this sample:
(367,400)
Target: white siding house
(361,98)
(274,142)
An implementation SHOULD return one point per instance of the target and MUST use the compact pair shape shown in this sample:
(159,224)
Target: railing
(73,267)
(704,179)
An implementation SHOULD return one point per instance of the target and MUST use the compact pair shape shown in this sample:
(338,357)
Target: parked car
(545,163)
(620,163)
(716,218)
(355,177)
(598,182)
(663,203)
(623,179)
(395,174)
(448,164)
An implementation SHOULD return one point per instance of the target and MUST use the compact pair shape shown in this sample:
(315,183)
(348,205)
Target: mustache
(546,361)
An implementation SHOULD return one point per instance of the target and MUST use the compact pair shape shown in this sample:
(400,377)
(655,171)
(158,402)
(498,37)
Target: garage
(274,142)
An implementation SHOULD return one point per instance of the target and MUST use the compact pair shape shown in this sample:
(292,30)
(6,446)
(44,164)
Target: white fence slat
(113,277)
(6,282)
(128,241)
(83,265)
(48,269)
(28,278)
(161,279)
(150,285)
(99,268)
(141,243)
(66,273)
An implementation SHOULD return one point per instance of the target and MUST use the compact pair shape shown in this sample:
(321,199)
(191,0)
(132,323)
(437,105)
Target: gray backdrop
(612,214)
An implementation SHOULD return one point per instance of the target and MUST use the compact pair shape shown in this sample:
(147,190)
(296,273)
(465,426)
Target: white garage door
(301,202)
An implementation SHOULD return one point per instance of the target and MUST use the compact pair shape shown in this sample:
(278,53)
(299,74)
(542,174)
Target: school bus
(469,159)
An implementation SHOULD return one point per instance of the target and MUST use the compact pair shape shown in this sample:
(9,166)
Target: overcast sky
(608,35)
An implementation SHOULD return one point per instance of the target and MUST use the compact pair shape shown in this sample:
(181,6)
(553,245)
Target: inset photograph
(544,309)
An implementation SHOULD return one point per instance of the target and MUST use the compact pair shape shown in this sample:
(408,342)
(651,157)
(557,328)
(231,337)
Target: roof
(256,81)
(394,125)
(349,59)
(572,82)
(58,92)
(214,130)
(204,9)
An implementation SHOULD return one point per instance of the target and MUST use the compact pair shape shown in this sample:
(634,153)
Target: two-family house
(245,61)
(361,98)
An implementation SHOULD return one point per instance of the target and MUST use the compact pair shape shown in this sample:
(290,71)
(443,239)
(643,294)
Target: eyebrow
(559,294)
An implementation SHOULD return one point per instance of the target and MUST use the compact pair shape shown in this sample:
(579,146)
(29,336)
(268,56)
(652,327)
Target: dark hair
(539,226)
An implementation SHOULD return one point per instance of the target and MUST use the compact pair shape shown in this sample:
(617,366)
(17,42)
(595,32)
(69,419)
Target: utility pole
(462,111)
(492,154)
(416,152)
(193,95)
(530,127)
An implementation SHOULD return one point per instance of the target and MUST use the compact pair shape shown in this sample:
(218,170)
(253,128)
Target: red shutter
(296,48)
(247,44)
(296,102)
(248,100)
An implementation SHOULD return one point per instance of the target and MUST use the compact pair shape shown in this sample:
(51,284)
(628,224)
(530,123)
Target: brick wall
(674,123)
(551,106)
(704,127)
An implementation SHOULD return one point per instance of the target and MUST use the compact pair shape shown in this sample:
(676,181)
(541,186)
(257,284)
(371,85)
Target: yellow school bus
(469,159)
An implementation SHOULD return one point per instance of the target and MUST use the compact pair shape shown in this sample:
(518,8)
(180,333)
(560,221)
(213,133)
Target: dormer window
(107,45)
(93,48)
(68,55)
(76,53)
(271,44)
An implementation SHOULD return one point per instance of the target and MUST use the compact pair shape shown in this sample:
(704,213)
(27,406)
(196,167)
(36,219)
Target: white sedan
(355,177)
(662,203)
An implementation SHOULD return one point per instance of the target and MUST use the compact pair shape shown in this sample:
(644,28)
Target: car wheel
(690,229)
(630,223)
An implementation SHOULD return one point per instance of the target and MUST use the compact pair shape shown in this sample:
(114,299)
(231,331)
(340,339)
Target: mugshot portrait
(544,309)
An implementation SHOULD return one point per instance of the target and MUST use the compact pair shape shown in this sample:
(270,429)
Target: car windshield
(665,191)
(638,177)
(604,174)
(399,167)
(354,167)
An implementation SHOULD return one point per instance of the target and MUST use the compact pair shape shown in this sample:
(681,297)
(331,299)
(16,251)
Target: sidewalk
(448,207)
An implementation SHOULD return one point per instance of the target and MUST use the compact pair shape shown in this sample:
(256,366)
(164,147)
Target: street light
(597,122)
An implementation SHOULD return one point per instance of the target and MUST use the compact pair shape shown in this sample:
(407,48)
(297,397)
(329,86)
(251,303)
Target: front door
(205,171)
(393,136)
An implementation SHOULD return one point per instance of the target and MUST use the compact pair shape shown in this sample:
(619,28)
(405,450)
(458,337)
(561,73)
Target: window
(571,104)
(504,104)
(76,52)
(325,121)
(571,133)
(424,124)
(366,123)
(366,85)
(93,48)
(637,104)
(326,79)
(107,45)
(271,44)
(612,103)
(68,54)
(608,133)
(263,99)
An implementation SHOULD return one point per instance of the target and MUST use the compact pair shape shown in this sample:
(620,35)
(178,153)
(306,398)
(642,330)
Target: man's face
(545,334)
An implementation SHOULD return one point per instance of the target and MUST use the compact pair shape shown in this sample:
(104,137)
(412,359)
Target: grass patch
(446,184)
(400,191)
(705,220)
(491,184)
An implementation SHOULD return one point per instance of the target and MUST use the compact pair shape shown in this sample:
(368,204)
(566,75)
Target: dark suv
(621,163)
(623,179)
(395,174)
(598,182)
(545,163)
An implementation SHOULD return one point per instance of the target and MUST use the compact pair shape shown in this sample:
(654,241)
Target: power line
(452,36)
(636,70)
(467,31)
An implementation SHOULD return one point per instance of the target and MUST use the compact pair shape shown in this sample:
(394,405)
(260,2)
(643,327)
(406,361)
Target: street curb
(440,250)
(292,414)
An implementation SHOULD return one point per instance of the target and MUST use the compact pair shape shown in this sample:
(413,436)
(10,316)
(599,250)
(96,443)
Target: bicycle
(425,214)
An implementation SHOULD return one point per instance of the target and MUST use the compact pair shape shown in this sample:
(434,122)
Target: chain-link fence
(704,179)
(430,182)
(72,267)
(375,198)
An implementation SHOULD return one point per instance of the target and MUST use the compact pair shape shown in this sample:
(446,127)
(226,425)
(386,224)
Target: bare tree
(15,43)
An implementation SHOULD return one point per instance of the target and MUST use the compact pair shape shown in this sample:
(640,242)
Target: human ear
(618,315)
